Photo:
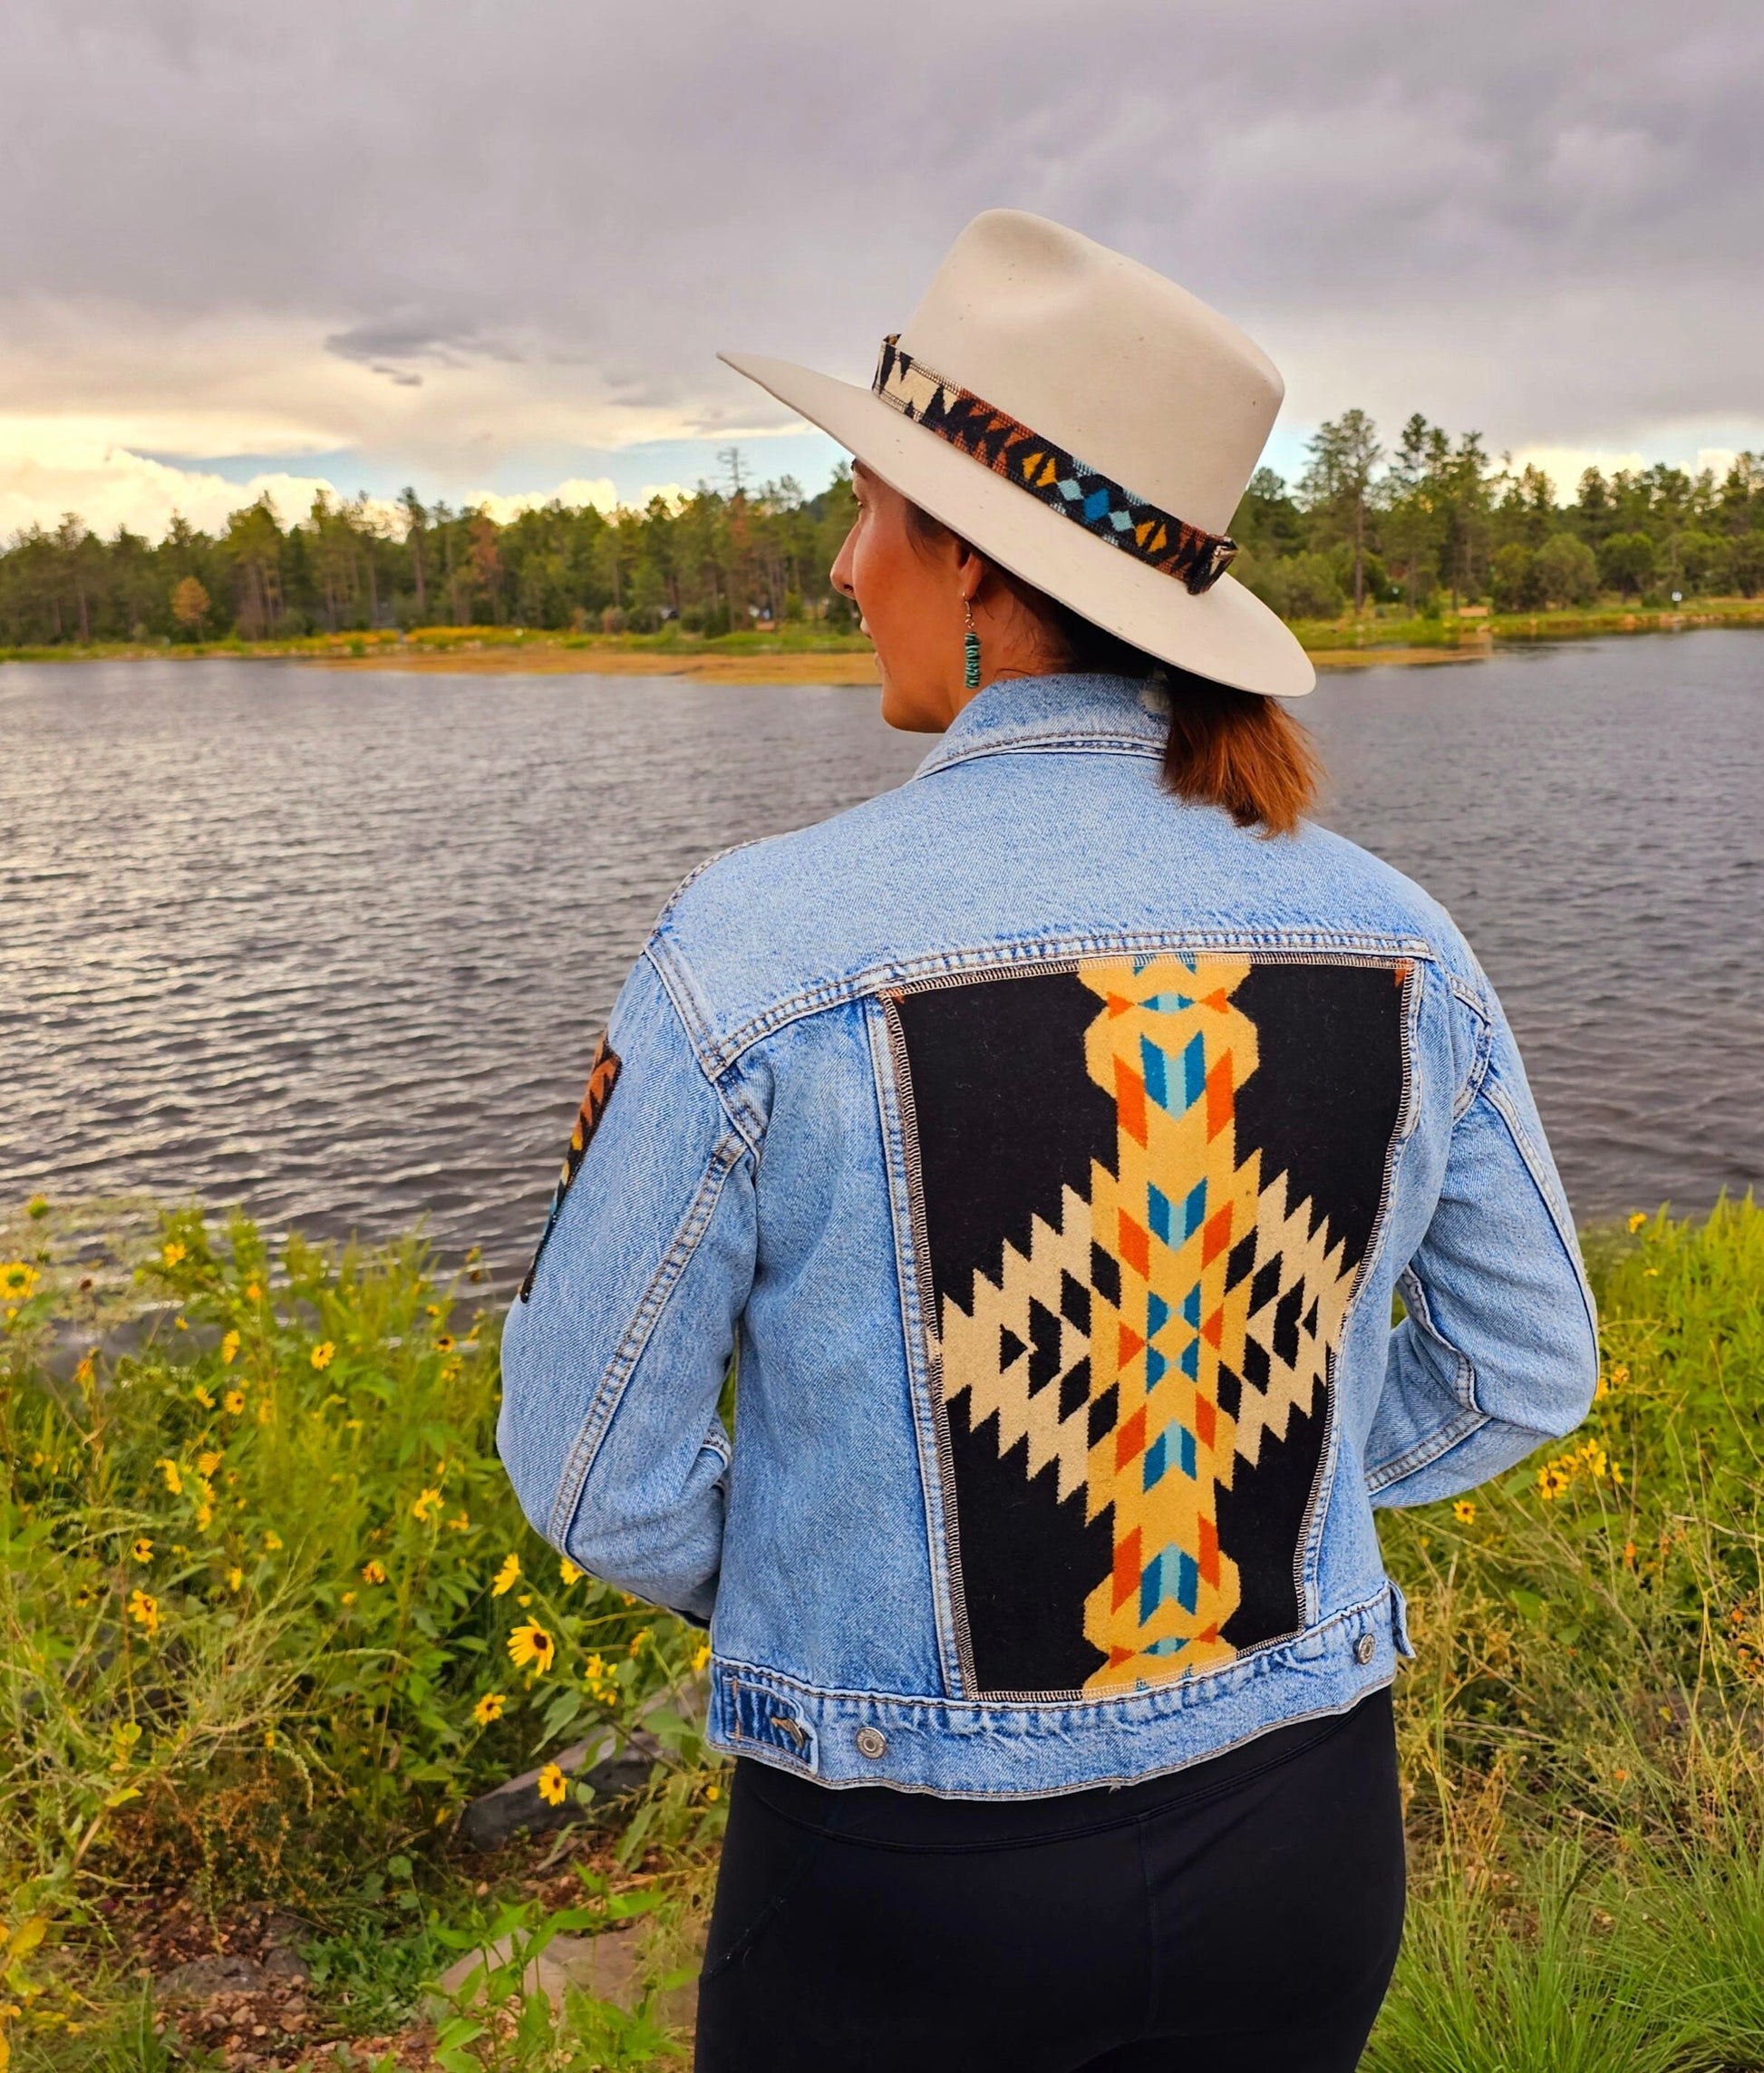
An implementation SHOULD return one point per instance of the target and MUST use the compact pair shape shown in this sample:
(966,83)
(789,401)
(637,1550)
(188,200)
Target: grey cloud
(1538,218)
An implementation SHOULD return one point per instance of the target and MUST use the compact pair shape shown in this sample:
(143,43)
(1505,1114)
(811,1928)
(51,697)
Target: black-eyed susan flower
(638,1639)
(1463,1511)
(233,1402)
(531,1644)
(144,1611)
(427,1507)
(173,1252)
(272,1543)
(18,1279)
(142,1550)
(507,1575)
(701,1659)
(1636,1219)
(554,1786)
(568,1573)
(489,1708)
(236,1579)
(229,1349)
(173,1475)
(207,1462)
(372,1573)
(323,1354)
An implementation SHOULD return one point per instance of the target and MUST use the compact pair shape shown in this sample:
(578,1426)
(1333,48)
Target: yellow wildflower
(1619,1376)
(461,1525)
(236,1579)
(180,1324)
(1601,1389)
(1463,1511)
(229,1349)
(568,1571)
(1650,1274)
(529,1643)
(433,1309)
(505,1575)
(701,1658)
(323,1353)
(272,1541)
(427,1507)
(554,1786)
(349,1597)
(203,1397)
(372,1573)
(204,1516)
(143,1550)
(86,1373)
(489,1708)
(208,1462)
(18,1279)
(174,1480)
(269,1738)
(1637,1218)
(638,1639)
(443,1343)
(265,1412)
(233,1402)
(714,1792)
(253,1293)
(173,1253)
(595,1668)
(144,1611)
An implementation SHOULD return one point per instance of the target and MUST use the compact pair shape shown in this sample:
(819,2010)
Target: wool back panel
(1145,1188)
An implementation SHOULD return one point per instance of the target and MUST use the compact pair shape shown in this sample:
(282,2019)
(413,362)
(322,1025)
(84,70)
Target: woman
(1050,1141)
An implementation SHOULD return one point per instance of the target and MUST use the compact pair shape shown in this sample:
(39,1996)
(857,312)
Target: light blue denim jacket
(1048,1153)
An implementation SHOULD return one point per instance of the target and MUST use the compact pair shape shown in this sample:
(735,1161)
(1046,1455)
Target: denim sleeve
(613,1362)
(1500,1350)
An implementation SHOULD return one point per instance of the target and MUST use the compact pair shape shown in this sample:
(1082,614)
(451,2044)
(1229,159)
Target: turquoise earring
(970,649)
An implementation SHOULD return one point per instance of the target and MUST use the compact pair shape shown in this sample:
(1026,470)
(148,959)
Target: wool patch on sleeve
(603,1077)
(1145,1188)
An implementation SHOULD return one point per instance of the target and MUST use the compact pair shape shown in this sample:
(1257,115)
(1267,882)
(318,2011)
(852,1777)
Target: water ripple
(336,944)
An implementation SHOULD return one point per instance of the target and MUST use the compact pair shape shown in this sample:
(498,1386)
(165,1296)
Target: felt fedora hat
(1085,424)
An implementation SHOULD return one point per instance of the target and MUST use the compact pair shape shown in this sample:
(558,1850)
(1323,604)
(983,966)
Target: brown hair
(1234,750)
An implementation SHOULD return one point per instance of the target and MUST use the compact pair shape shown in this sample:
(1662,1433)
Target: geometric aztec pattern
(1049,472)
(603,1077)
(1118,1345)
(1136,1323)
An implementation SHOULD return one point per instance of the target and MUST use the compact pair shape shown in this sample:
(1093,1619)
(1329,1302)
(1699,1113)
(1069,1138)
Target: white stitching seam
(603,1404)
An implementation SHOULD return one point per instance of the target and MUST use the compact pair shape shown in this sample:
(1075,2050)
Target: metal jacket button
(1364,1648)
(872,1743)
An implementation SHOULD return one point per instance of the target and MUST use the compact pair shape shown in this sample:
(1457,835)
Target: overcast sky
(492,246)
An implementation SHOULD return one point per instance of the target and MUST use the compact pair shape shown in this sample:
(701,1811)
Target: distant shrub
(1627,562)
(1516,579)
(1568,570)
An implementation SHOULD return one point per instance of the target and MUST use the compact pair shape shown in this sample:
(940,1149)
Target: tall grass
(267,1606)
(259,1580)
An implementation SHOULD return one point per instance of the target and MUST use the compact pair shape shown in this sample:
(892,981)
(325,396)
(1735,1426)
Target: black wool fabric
(1242,1916)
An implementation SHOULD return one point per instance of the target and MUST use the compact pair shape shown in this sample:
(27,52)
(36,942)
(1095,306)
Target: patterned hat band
(1051,475)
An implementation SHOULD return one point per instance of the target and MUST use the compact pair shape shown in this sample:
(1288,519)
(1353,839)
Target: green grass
(1581,1735)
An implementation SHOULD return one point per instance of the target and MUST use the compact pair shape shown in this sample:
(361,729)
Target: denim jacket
(1045,1155)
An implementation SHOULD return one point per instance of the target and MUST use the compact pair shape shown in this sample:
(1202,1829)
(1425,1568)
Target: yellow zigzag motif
(1135,1278)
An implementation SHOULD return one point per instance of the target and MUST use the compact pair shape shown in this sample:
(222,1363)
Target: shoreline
(761,659)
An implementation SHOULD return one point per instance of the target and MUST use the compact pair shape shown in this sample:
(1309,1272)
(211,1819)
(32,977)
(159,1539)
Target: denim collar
(1087,713)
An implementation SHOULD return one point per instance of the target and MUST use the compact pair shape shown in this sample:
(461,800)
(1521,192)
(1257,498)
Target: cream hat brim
(1226,634)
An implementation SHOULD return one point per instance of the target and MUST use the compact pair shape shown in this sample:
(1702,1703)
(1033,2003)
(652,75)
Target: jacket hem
(958,1749)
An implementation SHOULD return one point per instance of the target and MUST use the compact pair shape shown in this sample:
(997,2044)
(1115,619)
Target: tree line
(708,562)
(1432,525)
(1435,523)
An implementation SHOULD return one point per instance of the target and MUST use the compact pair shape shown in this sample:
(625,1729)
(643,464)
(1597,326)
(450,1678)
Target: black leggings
(1242,1916)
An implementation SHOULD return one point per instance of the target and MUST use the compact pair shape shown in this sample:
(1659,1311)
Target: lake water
(336,944)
